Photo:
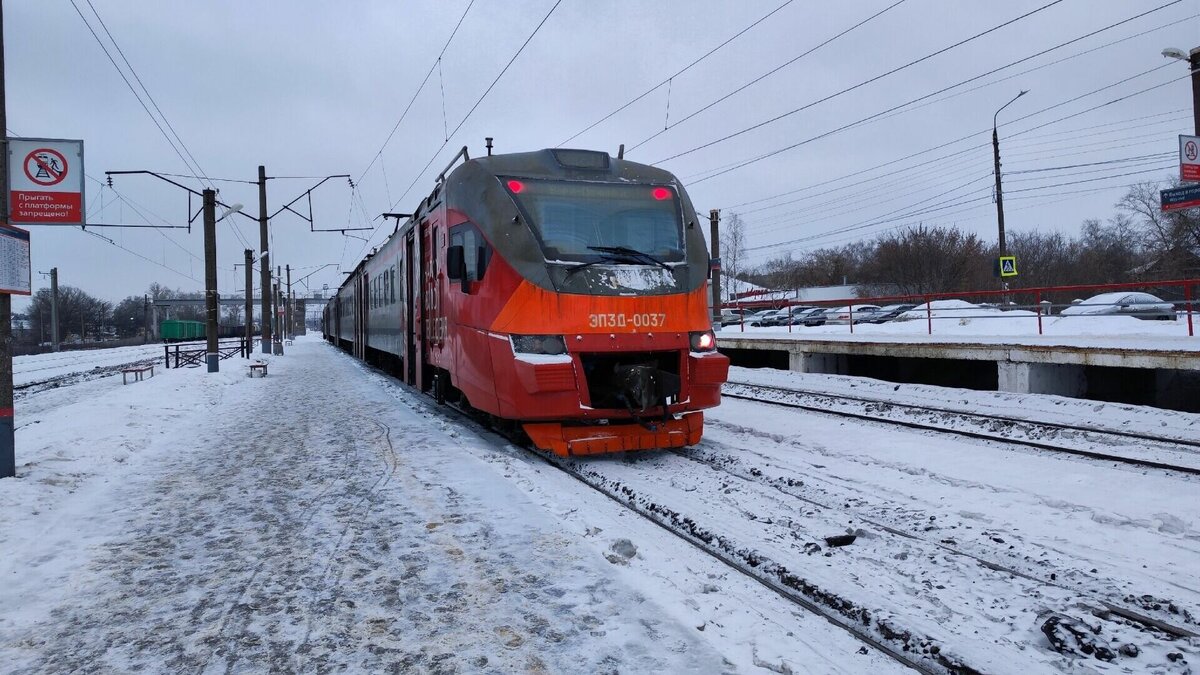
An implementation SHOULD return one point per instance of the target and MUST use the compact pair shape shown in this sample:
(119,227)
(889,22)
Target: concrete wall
(1042,378)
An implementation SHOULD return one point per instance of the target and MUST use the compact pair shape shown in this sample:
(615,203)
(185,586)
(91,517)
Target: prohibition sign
(46,167)
(1189,150)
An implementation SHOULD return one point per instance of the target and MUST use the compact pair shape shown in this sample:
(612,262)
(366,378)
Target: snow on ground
(325,518)
(40,367)
(992,326)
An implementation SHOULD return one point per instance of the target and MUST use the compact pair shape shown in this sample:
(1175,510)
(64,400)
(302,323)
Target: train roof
(571,163)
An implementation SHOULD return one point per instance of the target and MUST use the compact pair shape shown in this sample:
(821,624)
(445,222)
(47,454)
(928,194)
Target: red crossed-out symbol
(46,166)
(1189,150)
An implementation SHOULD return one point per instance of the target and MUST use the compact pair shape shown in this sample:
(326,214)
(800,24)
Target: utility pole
(210,279)
(146,318)
(54,337)
(1194,62)
(999,191)
(265,261)
(714,233)
(8,455)
(278,339)
(249,301)
(288,329)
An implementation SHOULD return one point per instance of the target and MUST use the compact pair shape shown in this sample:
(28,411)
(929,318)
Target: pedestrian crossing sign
(1008,266)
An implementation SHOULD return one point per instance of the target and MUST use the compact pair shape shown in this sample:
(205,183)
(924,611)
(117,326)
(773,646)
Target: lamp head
(236,208)
(1175,53)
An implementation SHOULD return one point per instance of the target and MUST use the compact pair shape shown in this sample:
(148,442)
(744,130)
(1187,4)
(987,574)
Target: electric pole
(288,329)
(54,337)
(999,190)
(249,301)
(714,233)
(210,278)
(265,261)
(146,318)
(8,455)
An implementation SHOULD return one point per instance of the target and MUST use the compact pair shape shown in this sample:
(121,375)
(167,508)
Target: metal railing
(193,353)
(1039,301)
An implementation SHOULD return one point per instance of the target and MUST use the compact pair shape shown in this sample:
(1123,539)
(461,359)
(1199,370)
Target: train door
(434,322)
(411,299)
(362,298)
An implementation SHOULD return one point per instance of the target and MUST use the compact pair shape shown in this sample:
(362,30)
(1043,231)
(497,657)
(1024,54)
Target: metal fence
(1040,302)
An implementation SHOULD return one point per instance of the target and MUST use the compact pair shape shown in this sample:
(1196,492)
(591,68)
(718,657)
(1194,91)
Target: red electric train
(561,290)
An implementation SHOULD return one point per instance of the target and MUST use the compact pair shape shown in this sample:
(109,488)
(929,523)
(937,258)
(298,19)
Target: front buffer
(595,439)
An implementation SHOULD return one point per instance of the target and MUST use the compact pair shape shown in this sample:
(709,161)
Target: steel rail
(1091,454)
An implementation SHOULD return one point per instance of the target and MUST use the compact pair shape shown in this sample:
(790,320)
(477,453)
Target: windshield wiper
(641,256)
(604,259)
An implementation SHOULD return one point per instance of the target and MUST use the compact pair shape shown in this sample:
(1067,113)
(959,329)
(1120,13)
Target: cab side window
(476,251)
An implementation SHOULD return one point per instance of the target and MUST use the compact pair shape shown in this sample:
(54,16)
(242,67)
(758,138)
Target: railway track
(1110,445)
(786,576)
(29,388)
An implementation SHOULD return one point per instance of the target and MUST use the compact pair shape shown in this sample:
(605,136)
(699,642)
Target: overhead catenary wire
(104,48)
(863,83)
(765,75)
(938,161)
(416,93)
(463,121)
(677,73)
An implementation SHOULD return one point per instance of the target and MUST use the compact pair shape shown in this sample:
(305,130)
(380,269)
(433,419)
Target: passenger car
(885,313)
(1137,305)
(842,315)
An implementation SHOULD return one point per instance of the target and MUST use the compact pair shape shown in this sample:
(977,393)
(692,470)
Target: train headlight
(703,341)
(538,344)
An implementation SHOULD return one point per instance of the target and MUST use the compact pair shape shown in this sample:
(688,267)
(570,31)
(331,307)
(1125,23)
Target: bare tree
(733,250)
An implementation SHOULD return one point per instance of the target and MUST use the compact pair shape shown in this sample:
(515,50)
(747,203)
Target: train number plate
(640,320)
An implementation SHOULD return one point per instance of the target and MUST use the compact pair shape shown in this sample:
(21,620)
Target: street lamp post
(1193,60)
(996,156)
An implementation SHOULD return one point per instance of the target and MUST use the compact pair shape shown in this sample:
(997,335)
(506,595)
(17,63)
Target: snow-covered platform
(1156,369)
(325,518)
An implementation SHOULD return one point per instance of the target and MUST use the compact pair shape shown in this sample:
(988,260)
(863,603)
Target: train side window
(456,239)
(476,252)
(393,284)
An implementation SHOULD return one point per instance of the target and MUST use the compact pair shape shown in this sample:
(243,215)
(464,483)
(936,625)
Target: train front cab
(597,353)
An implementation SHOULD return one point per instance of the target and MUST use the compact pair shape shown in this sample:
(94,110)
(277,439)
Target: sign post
(45,182)
(1189,159)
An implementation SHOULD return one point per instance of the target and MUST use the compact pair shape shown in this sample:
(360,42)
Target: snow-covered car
(886,313)
(842,315)
(777,318)
(1138,305)
(729,316)
(758,317)
(813,317)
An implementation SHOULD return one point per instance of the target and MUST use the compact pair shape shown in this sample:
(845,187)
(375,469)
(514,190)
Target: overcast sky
(313,88)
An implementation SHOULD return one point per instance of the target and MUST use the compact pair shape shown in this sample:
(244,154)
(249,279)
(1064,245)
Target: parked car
(798,312)
(777,318)
(886,313)
(757,318)
(841,315)
(729,316)
(814,317)
(1138,305)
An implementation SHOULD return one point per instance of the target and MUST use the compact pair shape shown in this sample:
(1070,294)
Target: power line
(677,74)
(120,72)
(416,93)
(161,114)
(464,119)
(1162,155)
(767,155)
(866,82)
(766,74)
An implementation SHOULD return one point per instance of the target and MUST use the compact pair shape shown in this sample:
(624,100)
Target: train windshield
(577,221)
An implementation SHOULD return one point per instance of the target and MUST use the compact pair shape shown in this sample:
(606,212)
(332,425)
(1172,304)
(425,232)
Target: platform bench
(137,373)
(260,368)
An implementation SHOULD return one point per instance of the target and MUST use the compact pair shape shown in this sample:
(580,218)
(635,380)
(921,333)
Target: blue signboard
(1180,198)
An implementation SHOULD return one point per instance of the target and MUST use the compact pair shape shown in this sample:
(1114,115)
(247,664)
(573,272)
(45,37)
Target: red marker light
(706,341)
(660,193)
(516,186)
